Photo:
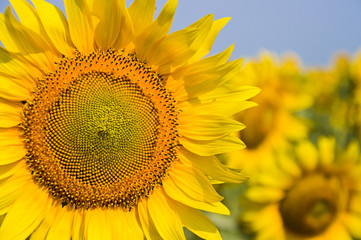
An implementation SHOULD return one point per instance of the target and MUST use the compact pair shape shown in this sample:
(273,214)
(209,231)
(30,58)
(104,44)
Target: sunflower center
(311,205)
(100,131)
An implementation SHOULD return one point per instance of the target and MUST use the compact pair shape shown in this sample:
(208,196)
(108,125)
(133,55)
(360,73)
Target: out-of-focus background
(315,30)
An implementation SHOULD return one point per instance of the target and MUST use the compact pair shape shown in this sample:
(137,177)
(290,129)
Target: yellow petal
(196,221)
(194,183)
(208,148)
(9,169)
(62,225)
(192,85)
(126,31)
(207,127)
(203,65)
(14,89)
(56,26)
(28,16)
(353,223)
(307,155)
(211,36)
(178,47)
(289,166)
(78,228)
(11,146)
(327,150)
(149,229)
(211,167)
(10,113)
(336,231)
(156,31)
(98,226)
(17,38)
(12,187)
(31,207)
(124,224)
(110,19)
(261,194)
(178,194)
(172,50)
(354,203)
(225,109)
(80,24)
(230,93)
(164,217)
(43,229)
(142,14)
(15,68)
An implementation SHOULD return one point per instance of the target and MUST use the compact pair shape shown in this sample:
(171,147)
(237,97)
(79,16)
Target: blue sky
(315,30)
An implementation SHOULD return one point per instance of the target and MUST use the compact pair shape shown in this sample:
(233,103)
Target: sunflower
(273,122)
(309,193)
(109,125)
(335,90)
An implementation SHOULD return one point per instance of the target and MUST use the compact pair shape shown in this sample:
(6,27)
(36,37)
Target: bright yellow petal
(178,47)
(11,146)
(80,24)
(164,217)
(192,85)
(62,225)
(126,31)
(78,230)
(9,169)
(208,148)
(43,229)
(9,113)
(17,38)
(211,167)
(207,44)
(124,224)
(156,31)
(196,221)
(110,20)
(194,183)
(207,127)
(28,16)
(203,65)
(230,93)
(98,227)
(142,14)
(225,109)
(56,26)
(149,229)
(11,188)
(176,193)
(18,69)
(14,89)
(31,207)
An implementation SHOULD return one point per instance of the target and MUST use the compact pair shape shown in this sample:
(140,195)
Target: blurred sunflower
(104,115)
(314,193)
(353,104)
(273,122)
(335,108)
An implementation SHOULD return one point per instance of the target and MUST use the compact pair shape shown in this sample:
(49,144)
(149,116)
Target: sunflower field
(114,127)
